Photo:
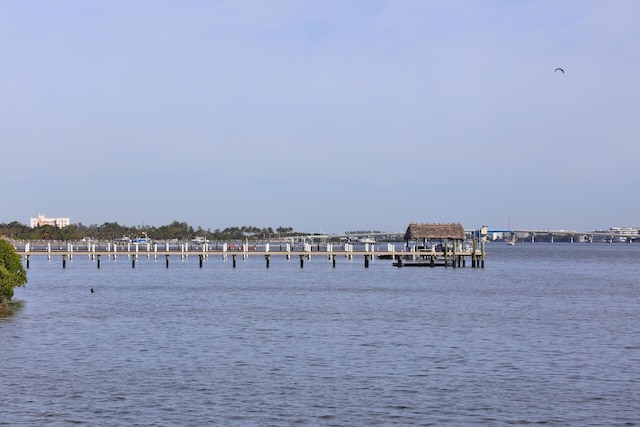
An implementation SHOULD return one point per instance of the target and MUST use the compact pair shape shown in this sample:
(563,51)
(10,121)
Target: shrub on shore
(12,273)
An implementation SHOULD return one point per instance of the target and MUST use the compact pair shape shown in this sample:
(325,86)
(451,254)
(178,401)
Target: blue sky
(323,116)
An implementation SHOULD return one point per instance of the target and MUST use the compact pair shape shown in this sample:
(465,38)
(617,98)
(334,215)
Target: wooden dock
(448,258)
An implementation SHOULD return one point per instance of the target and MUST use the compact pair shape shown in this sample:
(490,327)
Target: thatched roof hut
(453,231)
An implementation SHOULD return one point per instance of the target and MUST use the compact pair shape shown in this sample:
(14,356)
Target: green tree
(12,273)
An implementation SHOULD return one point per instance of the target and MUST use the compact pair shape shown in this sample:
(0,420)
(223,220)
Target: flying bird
(559,69)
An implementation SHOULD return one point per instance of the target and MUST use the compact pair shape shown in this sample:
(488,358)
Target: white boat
(369,240)
(142,238)
(512,238)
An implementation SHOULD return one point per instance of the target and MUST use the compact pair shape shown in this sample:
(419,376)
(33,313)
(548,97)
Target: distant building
(55,222)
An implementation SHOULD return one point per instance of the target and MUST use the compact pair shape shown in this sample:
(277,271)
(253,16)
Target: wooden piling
(167,261)
(64,261)
(301,261)
(444,251)
(266,257)
(98,260)
(473,253)
(366,261)
(201,258)
(453,255)
(233,257)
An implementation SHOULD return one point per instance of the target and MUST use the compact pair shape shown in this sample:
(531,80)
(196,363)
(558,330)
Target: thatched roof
(435,231)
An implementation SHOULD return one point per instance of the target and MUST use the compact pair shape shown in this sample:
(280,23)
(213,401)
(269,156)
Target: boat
(512,238)
(369,240)
(142,238)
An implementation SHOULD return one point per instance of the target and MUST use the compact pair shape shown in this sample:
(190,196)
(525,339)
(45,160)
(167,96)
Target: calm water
(545,334)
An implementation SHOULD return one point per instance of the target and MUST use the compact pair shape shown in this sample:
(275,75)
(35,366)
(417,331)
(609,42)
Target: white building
(55,222)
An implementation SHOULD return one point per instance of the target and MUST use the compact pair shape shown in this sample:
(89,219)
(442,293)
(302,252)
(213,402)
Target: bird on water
(559,69)
(91,290)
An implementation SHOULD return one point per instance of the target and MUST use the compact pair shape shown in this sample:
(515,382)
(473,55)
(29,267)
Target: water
(545,334)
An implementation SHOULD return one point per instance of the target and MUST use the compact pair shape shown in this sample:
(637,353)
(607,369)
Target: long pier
(447,257)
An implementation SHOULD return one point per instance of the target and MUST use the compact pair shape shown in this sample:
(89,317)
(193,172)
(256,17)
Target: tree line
(113,230)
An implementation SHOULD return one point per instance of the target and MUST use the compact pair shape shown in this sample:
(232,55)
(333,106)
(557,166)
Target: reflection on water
(10,308)
(543,334)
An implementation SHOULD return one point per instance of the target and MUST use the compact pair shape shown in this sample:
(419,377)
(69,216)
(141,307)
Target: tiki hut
(429,232)
(440,244)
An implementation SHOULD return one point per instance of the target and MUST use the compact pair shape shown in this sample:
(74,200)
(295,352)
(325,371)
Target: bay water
(544,334)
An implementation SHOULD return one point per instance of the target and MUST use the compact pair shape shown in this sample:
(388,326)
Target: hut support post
(444,250)
(474,247)
(453,254)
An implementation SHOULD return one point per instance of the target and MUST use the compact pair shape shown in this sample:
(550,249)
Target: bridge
(571,235)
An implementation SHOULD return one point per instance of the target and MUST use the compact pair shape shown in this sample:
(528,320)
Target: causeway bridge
(569,235)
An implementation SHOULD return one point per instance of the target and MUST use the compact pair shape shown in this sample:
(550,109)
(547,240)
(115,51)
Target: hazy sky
(323,116)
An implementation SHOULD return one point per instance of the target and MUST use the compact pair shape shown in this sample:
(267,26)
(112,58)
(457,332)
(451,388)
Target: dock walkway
(452,258)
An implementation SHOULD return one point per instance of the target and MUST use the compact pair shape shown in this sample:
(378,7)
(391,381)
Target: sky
(325,116)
